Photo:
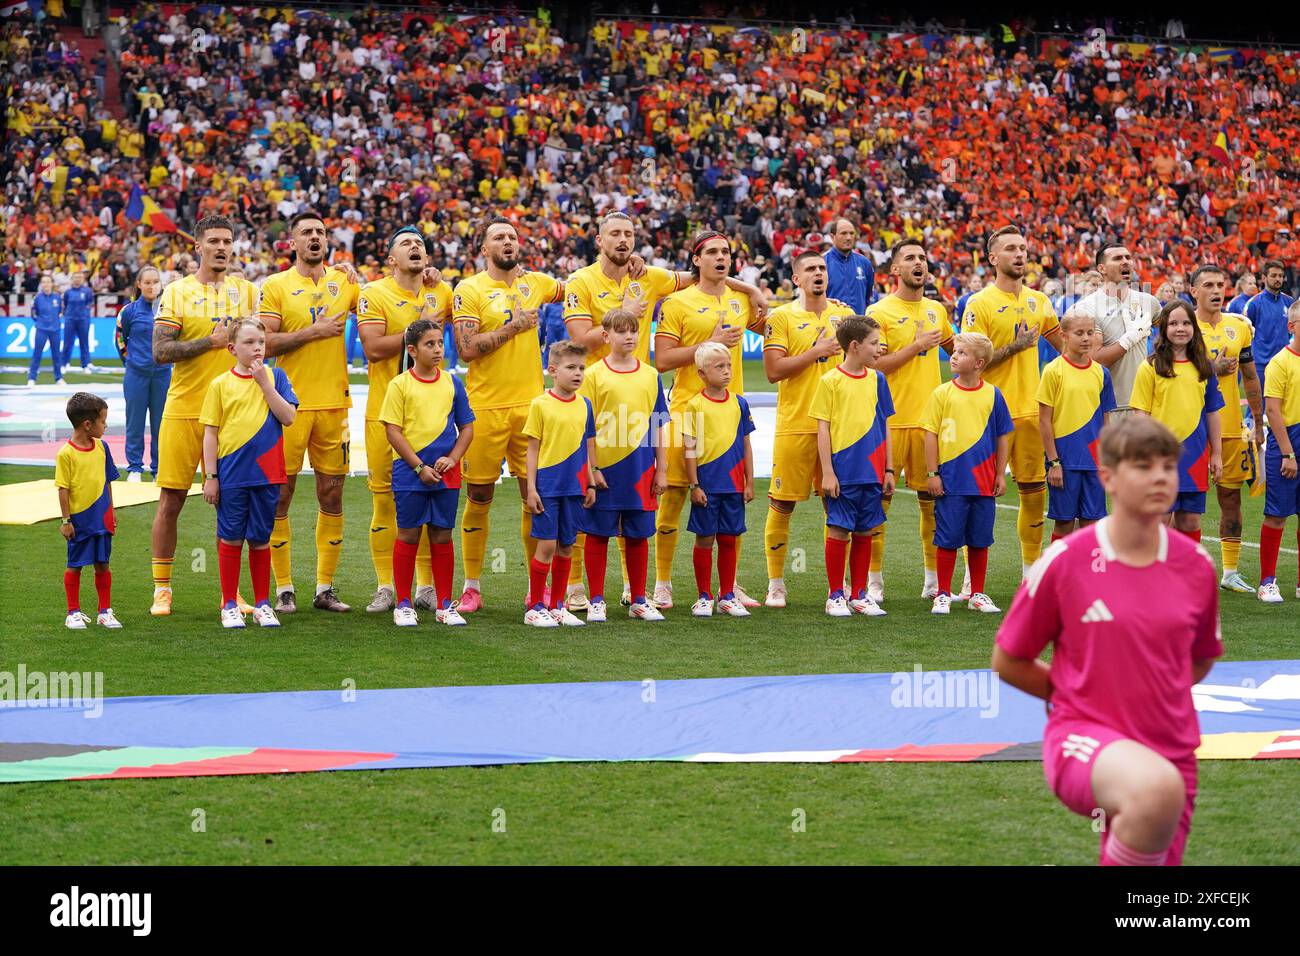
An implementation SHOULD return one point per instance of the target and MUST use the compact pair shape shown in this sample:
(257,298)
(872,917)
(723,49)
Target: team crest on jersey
(332,288)
(735,306)
(1230,333)
(523,291)
(431,299)
(931,316)
(232,295)
(1032,305)
(635,289)
(363,306)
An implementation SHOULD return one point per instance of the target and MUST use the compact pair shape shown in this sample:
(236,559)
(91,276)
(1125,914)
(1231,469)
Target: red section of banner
(259,761)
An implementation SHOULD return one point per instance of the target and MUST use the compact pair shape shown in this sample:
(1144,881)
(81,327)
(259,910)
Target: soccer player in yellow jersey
(619,279)
(496,313)
(191,329)
(1228,341)
(304,309)
(384,310)
(707,312)
(1014,317)
(912,330)
(799,348)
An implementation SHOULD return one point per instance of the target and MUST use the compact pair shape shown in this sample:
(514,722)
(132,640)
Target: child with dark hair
(83,472)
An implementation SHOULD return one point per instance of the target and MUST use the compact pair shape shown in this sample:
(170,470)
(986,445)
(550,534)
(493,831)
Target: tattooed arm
(473,344)
(167,348)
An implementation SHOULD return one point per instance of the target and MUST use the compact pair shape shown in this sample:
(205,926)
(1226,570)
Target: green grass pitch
(654,813)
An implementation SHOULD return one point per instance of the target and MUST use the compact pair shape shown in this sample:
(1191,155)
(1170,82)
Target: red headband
(713,235)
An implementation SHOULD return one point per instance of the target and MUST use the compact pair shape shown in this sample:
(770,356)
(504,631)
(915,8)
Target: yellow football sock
(878,539)
(530,543)
(1231,550)
(776,539)
(927,533)
(575,566)
(666,523)
(1029,525)
(424,563)
(162,572)
(329,545)
(622,560)
(383,532)
(282,553)
(473,536)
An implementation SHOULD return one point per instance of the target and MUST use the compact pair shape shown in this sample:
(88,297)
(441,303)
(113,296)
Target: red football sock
(1056,537)
(72,587)
(703,570)
(946,560)
(443,558)
(835,554)
(404,554)
(1194,535)
(560,579)
(1297,543)
(228,556)
(638,563)
(537,572)
(259,567)
(859,562)
(104,588)
(596,554)
(1270,543)
(978,560)
(728,555)
(1115,853)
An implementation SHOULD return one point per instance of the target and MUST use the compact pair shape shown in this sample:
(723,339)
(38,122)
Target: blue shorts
(964,520)
(1190,501)
(560,521)
(724,514)
(625,523)
(857,508)
(247,514)
(1082,498)
(1281,495)
(437,507)
(92,549)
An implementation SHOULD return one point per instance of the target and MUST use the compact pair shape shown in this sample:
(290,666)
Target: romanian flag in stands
(1220,148)
(140,208)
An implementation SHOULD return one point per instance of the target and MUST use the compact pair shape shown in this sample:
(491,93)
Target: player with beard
(1228,342)
(799,348)
(1013,317)
(496,312)
(911,326)
(384,309)
(191,329)
(304,309)
(706,312)
(1123,315)
(620,279)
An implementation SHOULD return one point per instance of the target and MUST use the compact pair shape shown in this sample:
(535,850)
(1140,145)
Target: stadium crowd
(384,118)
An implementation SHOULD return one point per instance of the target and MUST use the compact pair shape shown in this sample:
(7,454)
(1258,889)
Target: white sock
(876,577)
(931,578)
(1024,570)
(322,588)
(776,583)
(663,584)
(471,584)
(159,590)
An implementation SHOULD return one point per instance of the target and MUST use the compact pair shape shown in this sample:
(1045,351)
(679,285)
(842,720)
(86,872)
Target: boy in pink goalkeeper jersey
(1121,730)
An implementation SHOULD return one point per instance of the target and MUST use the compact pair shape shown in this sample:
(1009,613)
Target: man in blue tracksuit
(1267,313)
(851,277)
(46,311)
(145,383)
(77,304)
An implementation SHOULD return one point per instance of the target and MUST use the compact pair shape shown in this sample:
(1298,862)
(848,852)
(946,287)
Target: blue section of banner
(19,338)
(633,720)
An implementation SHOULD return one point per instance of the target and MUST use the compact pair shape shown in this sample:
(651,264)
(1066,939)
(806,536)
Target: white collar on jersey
(1103,539)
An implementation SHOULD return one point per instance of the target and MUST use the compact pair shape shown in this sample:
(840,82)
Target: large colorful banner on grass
(1248,710)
